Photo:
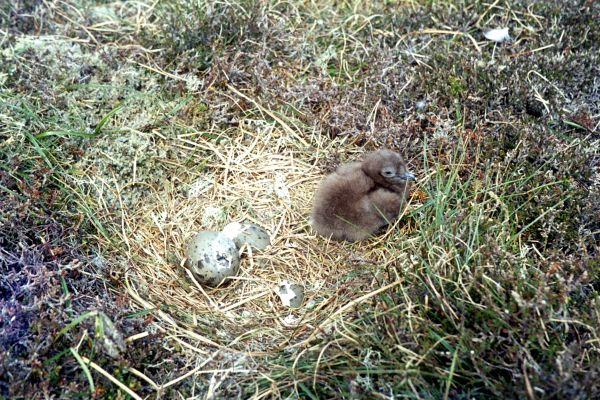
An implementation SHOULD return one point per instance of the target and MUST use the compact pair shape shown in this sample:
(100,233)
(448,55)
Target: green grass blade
(84,367)
(105,119)
(76,322)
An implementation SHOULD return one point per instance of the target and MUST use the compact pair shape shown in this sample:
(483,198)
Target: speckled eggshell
(212,257)
(291,294)
(251,234)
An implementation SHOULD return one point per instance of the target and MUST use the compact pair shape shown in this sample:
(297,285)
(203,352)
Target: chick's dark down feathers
(360,198)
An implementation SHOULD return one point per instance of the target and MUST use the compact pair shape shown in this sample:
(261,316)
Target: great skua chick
(360,198)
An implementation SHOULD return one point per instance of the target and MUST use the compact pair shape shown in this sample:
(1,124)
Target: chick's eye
(387,173)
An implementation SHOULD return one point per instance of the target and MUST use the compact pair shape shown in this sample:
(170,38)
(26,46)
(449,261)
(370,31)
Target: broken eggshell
(212,257)
(251,234)
(291,294)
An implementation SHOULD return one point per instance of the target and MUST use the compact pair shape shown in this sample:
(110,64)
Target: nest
(260,172)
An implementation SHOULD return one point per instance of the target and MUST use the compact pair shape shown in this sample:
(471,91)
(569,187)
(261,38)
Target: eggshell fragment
(251,234)
(291,294)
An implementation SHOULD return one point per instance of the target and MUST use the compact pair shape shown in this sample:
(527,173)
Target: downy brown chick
(360,198)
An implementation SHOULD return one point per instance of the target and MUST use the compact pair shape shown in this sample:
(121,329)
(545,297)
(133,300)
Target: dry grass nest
(262,172)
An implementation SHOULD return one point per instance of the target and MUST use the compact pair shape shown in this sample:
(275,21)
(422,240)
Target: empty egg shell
(291,294)
(251,234)
(212,257)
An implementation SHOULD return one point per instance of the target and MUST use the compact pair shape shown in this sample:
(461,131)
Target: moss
(456,86)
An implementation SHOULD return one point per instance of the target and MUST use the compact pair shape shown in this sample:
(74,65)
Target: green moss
(456,86)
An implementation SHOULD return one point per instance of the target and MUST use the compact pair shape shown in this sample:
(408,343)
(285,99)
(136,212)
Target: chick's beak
(408,176)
